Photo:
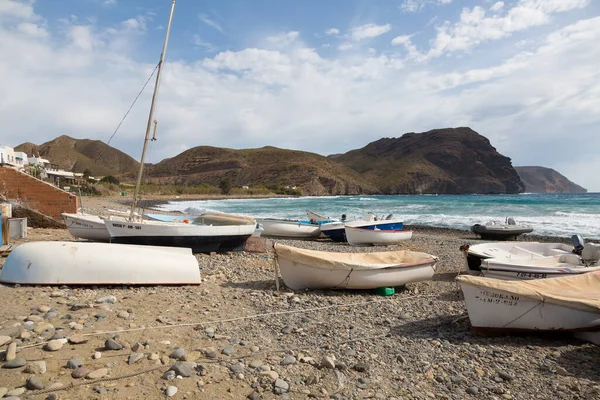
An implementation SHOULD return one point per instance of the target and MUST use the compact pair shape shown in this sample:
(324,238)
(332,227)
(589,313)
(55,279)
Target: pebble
(328,362)
(228,350)
(97,355)
(77,339)
(183,369)
(4,340)
(123,314)
(54,345)
(289,360)
(44,309)
(36,367)
(110,344)
(505,376)
(97,374)
(473,390)
(237,368)
(170,391)
(210,332)
(33,383)
(177,354)
(80,372)
(11,352)
(74,363)
(153,356)
(52,396)
(280,386)
(15,392)
(256,363)
(135,357)
(16,363)
(287,329)
(107,300)
(270,374)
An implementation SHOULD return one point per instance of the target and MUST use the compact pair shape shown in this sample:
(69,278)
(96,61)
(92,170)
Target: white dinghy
(375,237)
(84,263)
(493,230)
(289,228)
(302,269)
(475,255)
(569,303)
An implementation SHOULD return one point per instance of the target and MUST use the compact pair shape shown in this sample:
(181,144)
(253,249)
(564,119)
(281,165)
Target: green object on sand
(385,291)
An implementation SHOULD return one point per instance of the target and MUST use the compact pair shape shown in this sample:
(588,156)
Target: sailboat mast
(151,114)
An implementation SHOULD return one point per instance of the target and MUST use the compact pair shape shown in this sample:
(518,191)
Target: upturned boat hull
(84,263)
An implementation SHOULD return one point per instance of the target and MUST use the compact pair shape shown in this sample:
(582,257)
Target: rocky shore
(235,336)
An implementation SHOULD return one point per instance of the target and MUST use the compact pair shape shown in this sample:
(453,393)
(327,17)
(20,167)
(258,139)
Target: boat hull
(199,238)
(298,273)
(84,263)
(379,224)
(335,231)
(500,232)
(88,227)
(289,229)
(497,310)
(367,237)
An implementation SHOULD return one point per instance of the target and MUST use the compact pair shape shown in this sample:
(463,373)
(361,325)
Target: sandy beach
(235,336)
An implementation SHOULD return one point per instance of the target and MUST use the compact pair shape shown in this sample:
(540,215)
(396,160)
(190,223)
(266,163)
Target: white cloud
(76,81)
(109,2)
(332,31)
(198,42)
(16,9)
(32,30)
(369,31)
(476,27)
(411,6)
(283,39)
(213,24)
(497,6)
(346,46)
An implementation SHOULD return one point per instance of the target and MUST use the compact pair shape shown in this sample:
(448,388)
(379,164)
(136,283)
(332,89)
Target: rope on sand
(306,310)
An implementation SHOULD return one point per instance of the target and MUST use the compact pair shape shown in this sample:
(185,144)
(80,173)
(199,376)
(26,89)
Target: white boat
(302,269)
(315,218)
(372,221)
(375,237)
(536,267)
(493,230)
(199,238)
(334,230)
(474,255)
(89,227)
(86,263)
(569,303)
(289,228)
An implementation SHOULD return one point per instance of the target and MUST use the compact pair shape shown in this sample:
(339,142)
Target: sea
(559,215)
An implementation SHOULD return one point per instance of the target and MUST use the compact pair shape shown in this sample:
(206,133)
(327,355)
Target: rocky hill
(78,155)
(452,160)
(546,180)
(310,173)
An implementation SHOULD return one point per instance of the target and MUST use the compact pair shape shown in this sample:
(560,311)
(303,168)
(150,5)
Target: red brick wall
(36,194)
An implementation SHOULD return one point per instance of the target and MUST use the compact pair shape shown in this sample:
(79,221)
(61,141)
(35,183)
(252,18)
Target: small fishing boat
(568,303)
(552,266)
(372,221)
(289,228)
(89,227)
(334,230)
(493,230)
(86,263)
(474,255)
(375,237)
(310,269)
(315,218)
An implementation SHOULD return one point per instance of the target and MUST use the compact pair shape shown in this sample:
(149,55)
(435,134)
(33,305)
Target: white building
(7,156)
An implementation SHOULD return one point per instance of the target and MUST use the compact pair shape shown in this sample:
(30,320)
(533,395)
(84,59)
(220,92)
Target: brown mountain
(78,155)
(546,180)
(452,160)
(310,173)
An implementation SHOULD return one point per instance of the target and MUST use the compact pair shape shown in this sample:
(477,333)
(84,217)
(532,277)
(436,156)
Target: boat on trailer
(375,237)
(568,303)
(311,269)
(87,263)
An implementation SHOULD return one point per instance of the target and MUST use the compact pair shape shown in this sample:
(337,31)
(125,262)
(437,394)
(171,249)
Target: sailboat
(201,238)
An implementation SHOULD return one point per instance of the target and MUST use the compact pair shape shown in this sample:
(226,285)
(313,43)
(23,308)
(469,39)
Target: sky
(324,76)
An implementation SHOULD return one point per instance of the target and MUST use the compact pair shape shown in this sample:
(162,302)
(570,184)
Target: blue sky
(321,76)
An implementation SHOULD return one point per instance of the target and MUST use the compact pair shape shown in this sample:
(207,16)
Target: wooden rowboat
(302,269)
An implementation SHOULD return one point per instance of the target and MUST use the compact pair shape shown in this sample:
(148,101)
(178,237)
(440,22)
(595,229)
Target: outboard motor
(389,217)
(511,221)
(343,217)
(590,254)
(578,244)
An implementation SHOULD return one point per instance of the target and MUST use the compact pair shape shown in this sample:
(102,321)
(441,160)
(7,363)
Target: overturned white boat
(476,254)
(289,228)
(493,230)
(375,237)
(84,263)
(569,303)
(302,269)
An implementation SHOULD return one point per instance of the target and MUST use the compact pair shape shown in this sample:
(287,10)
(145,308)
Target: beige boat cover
(356,261)
(581,292)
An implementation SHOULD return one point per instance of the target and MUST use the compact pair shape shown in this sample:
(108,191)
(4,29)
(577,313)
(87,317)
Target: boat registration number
(139,228)
(497,298)
(532,275)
